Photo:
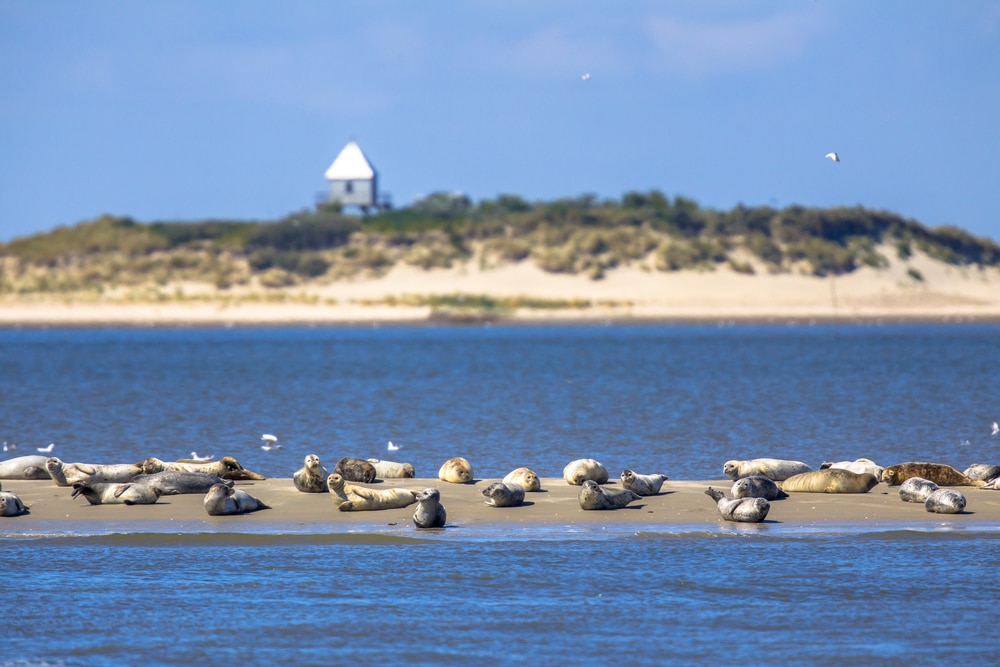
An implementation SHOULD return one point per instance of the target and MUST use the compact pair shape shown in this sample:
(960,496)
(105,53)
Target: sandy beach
(680,503)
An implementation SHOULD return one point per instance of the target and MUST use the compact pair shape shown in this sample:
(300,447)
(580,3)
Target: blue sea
(677,399)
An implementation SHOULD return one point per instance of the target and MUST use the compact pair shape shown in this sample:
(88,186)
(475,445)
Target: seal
(830,480)
(644,485)
(526,478)
(983,471)
(502,494)
(945,501)
(740,510)
(355,470)
(128,493)
(24,467)
(227,468)
(222,500)
(916,490)
(756,486)
(939,473)
(456,470)
(179,482)
(11,504)
(595,497)
(429,513)
(579,471)
(857,465)
(68,474)
(392,469)
(351,498)
(774,469)
(311,477)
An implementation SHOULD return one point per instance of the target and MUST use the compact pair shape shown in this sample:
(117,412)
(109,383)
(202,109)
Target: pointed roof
(350,165)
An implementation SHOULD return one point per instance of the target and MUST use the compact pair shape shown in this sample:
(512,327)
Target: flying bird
(271,442)
(392,448)
(47,450)
(195,457)
(586,77)
(833,156)
(996,429)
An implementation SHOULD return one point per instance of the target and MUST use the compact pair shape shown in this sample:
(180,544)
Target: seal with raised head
(355,470)
(311,477)
(756,486)
(349,497)
(68,474)
(526,478)
(939,473)
(592,496)
(644,485)
(502,494)
(579,471)
(857,465)
(740,510)
(24,467)
(11,504)
(983,471)
(830,480)
(128,493)
(227,468)
(179,482)
(222,500)
(392,469)
(916,490)
(456,470)
(945,501)
(429,513)
(774,469)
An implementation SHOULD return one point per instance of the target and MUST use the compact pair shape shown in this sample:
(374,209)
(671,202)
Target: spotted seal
(502,494)
(227,468)
(741,510)
(24,467)
(352,498)
(456,470)
(11,504)
(592,496)
(68,474)
(857,465)
(128,493)
(579,471)
(526,478)
(429,513)
(830,480)
(774,469)
(179,482)
(983,471)
(311,477)
(644,485)
(392,469)
(916,490)
(223,500)
(939,473)
(945,501)
(355,470)
(756,486)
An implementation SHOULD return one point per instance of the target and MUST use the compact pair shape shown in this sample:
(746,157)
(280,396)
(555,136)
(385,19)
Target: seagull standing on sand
(271,442)
(996,429)
(392,448)
(195,457)
(833,156)
(47,450)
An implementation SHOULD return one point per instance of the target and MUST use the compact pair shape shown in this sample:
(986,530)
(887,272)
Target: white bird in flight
(271,442)
(392,448)
(47,450)
(195,457)
(996,429)
(586,77)
(833,156)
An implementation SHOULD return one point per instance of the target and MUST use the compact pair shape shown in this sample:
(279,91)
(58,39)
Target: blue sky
(193,110)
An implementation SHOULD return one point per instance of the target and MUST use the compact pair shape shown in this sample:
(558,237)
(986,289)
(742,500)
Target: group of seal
(933,498)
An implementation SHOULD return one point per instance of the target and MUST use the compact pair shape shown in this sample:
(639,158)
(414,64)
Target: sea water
(675,399)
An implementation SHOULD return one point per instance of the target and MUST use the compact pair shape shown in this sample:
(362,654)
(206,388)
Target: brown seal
(355,470)
(939,473)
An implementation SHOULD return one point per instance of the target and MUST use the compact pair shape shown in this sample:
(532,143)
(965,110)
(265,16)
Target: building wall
(353,193)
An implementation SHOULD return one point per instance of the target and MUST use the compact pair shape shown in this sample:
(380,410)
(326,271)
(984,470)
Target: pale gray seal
(857,465)
(392,469)
(644,485)
(774,469)
(983,471)
(830,480)
(227,468)
(501,494)
(429,513)
(179,482)
(526,478)
(456,470)
(24,467)
(114,493)
(352,498)
(756,486)
(741,510)
(579,471)
(222,499)
(355,470)
(68,474)
(939,473)
(916,489)
(592,496)
(311,477)
(945,501)
(11,504)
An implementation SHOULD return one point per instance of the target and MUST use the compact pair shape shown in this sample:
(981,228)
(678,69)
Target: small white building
(353,180)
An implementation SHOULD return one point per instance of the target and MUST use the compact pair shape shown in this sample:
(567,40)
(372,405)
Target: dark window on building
(349,187)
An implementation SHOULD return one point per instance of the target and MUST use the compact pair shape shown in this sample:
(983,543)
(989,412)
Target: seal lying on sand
(857,465)
(311,477)
(227,468)
(579,471)
(916,490)
(742,510)
(128,493)
(352,498)
(429,513)
(355,470)
(11,504)
(178,482)
(24,467)
(595,497)
(392,469)
(644,485)
(830,480)
(774,469)
(756,486)
(939,473)
(68,474)
(983,471)
(501,494)
(945,501)
(221,500)
(456,470)
(526,478)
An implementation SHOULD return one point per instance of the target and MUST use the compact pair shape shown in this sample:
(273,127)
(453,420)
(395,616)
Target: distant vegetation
(581,235)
